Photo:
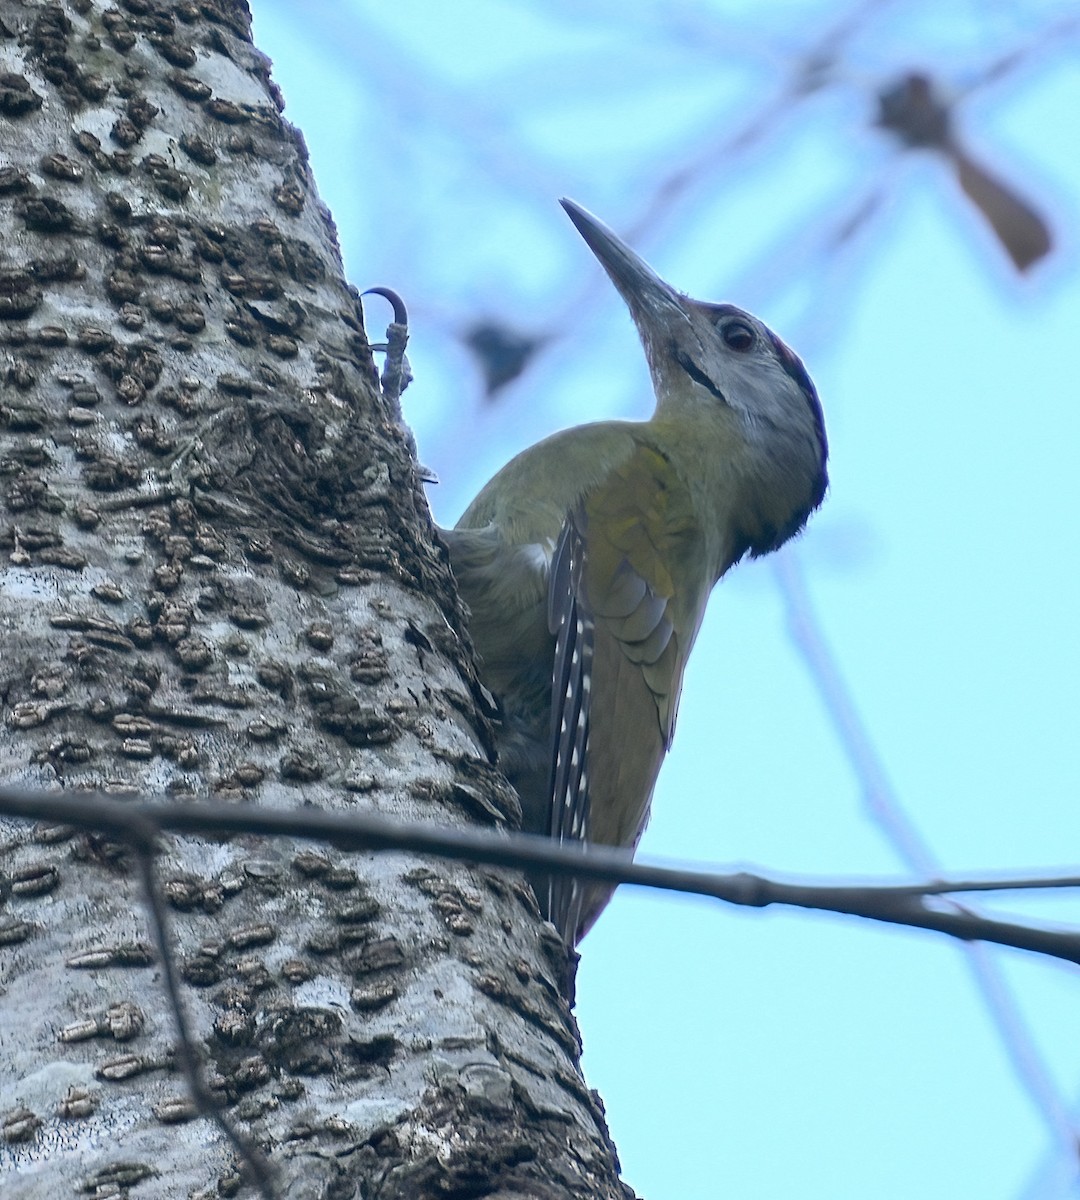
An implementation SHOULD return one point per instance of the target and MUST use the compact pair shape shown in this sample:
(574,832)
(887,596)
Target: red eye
(737,335)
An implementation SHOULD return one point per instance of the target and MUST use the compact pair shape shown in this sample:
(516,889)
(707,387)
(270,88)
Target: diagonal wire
(887,811)
(141,836)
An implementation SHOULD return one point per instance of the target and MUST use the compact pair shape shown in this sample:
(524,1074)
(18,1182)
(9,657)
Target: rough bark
(218,578)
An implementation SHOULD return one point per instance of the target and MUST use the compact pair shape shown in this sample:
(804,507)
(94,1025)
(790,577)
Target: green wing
(623,632)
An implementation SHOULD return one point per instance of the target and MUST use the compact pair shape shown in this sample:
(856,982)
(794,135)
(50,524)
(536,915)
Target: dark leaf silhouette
(501,353)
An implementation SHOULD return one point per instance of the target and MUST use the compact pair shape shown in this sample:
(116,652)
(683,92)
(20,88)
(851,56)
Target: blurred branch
(886,809)
(1053,35)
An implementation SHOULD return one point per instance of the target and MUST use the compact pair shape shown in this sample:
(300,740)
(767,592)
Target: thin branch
(991,883)
(892,905)
(140,834)
(887,810)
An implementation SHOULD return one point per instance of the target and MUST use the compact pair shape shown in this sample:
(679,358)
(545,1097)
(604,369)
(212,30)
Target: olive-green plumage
(588,560)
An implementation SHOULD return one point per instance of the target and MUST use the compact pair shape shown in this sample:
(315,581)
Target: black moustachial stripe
(696,373)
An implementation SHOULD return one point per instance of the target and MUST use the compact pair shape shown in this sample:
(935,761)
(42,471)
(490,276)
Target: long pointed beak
(645,293)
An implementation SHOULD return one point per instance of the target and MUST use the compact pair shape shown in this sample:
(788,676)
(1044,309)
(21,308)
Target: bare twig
(141,833)
(910,905)
(886,809)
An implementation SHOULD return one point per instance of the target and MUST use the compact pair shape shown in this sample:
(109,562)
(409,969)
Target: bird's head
(716,360)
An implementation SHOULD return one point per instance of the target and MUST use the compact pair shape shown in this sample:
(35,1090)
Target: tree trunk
(218,579)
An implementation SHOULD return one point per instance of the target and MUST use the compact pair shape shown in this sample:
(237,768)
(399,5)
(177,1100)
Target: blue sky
(776,1054)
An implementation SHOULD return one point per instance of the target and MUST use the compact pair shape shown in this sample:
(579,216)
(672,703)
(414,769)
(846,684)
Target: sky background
(779,1054)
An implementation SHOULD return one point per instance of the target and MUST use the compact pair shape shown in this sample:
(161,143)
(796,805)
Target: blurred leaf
(914,112)
(501,353)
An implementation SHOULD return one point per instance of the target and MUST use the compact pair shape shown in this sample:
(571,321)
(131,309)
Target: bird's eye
(737,335)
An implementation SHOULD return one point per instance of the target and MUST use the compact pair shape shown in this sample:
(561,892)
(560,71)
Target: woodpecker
(587,561)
